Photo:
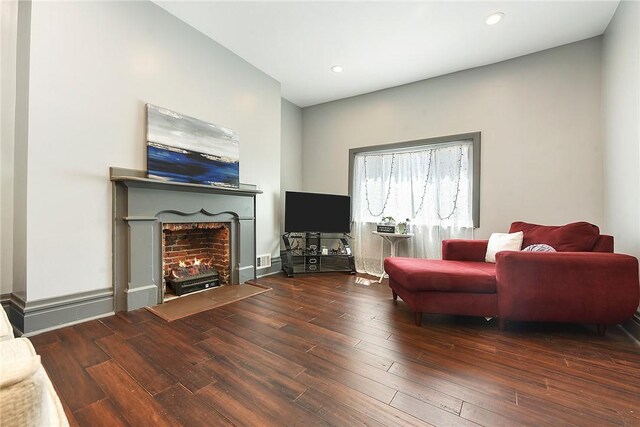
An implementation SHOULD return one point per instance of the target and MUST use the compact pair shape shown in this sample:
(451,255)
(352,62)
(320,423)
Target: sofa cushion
(442,275)
(574,237)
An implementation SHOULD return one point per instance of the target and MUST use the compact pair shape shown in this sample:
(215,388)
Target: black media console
(305,253)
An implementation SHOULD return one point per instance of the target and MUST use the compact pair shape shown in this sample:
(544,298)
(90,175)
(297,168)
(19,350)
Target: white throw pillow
(503,242)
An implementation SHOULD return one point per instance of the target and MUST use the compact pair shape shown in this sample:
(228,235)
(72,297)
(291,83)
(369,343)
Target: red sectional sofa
(583,282)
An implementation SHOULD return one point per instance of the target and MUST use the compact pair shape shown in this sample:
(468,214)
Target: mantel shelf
(138,177)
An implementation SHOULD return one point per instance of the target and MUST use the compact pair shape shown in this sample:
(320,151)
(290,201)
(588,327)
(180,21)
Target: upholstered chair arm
(464,250)
(584,287)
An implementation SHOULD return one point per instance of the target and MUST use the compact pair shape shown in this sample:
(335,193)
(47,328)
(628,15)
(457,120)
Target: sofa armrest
(464,250)
(6,330)
(603,244)
(27,396)
(584,287)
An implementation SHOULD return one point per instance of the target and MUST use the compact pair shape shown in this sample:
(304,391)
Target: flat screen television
(314,212)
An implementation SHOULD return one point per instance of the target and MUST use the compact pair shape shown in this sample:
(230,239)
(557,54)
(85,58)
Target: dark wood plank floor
(330,350)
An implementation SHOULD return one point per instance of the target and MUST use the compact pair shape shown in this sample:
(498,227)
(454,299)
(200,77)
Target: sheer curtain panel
(429,185)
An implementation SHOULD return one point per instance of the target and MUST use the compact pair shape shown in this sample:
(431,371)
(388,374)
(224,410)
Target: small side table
(393,239)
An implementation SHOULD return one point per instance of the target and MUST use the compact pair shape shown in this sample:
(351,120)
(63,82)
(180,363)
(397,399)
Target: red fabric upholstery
(574,237)
(567,287)
(593,285)
(462,303)
(464,250)
(438,275)
(603,244)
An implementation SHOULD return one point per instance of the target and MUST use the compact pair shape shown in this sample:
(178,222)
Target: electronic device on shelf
(315,212)
(310,219)
(309,255)
(384,228)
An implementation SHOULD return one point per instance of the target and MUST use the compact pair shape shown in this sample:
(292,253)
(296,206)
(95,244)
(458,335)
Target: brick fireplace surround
(143,208)
(208,242)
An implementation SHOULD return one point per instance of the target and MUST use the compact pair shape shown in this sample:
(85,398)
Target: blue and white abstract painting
(184,149)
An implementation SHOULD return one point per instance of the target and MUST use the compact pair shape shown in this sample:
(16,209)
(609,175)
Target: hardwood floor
(329,350)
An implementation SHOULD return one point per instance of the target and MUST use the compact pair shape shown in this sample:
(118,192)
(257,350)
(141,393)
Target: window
(434,183)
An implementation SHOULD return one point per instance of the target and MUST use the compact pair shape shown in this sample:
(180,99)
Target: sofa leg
(418,318)
(395,296)
(501,324)
(601,328)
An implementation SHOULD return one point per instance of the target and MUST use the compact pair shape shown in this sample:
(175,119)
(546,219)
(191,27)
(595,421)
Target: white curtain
(431,186)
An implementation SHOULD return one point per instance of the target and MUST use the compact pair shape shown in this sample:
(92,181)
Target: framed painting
(185,149)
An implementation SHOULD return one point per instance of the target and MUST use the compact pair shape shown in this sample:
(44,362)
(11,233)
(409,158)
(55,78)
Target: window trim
(474,137)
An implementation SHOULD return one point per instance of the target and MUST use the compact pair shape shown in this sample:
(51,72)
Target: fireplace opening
(195,256)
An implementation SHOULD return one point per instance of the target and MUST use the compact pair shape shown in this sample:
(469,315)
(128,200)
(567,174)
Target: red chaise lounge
(583,282)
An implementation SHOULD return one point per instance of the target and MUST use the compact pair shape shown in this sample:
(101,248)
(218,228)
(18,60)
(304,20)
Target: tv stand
(304,253)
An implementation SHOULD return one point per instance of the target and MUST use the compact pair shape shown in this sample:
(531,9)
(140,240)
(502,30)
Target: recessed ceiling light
(494,18)
(337,69)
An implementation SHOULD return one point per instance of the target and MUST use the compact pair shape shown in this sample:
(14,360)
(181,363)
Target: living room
(560,144)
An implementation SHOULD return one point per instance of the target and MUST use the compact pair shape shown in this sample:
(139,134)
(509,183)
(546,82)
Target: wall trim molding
(50,313)
(276,267)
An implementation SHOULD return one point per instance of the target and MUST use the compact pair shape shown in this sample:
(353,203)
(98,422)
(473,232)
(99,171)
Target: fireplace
(154,219)
(195,256)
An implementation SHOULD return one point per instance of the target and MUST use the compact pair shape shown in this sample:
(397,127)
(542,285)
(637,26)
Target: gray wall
(8,40)
(540,121)
(17,237)
(621,128)
(291,154)
(94,65)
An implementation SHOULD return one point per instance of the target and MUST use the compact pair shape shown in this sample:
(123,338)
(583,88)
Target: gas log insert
(194,277)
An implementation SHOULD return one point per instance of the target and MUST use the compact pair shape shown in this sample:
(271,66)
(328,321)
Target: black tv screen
(314,212)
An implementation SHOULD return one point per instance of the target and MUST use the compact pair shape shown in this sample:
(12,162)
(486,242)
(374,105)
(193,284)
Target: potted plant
(388,220)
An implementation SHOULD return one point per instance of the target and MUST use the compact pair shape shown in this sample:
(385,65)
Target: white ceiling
(383,44)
